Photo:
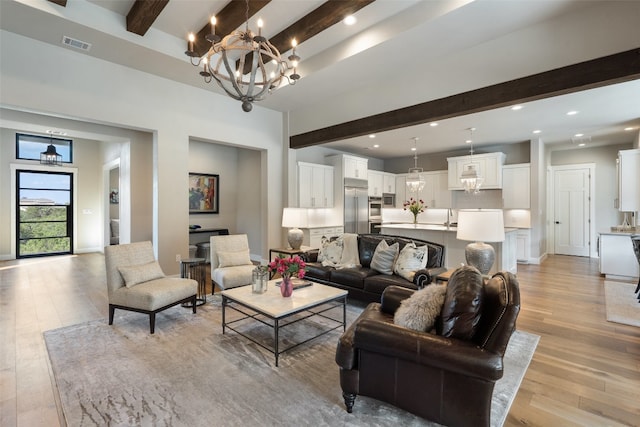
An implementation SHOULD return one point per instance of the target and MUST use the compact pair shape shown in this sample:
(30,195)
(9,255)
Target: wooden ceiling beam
(143,14)
(62,3)
(323,17)
(616,68)
(228,19)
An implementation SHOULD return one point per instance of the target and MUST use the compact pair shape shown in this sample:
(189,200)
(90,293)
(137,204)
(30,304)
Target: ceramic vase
(286,287)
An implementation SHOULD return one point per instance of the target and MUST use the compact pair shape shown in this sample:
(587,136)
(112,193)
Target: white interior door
(572,211)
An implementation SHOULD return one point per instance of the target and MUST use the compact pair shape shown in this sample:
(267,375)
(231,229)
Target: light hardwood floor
(586,371)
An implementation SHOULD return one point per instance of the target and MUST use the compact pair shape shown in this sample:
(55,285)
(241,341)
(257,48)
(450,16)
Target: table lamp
(294,218)
(479,226)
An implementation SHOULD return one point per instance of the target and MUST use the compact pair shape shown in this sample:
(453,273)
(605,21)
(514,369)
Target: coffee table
(314,300)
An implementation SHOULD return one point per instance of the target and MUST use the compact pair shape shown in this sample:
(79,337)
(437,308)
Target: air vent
(75,43)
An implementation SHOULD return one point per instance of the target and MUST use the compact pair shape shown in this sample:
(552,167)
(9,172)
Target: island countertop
(429,227)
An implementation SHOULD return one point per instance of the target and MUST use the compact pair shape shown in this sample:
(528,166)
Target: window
(44,214)
(29,147)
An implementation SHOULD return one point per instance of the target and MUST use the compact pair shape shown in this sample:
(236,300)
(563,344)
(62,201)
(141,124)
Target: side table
(195,268)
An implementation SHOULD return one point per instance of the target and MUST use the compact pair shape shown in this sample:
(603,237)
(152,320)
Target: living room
(158,131)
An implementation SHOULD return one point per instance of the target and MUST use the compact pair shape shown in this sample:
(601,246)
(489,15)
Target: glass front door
(44,217)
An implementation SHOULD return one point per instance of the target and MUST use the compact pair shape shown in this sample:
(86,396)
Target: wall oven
(375,208)
(388,200)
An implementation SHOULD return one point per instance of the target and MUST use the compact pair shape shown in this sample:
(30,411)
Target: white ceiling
(392,42)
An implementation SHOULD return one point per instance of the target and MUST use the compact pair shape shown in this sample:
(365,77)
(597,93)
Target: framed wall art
(204,194)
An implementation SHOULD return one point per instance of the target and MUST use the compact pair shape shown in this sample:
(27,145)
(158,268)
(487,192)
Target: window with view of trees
(44,213)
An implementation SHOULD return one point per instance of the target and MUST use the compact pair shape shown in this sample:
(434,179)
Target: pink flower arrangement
(288,267)
(415,206)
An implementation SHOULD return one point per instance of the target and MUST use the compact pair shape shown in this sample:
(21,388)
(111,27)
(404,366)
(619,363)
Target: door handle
(557,222)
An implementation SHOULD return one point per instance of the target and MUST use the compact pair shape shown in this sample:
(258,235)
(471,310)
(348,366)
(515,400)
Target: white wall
(100,92)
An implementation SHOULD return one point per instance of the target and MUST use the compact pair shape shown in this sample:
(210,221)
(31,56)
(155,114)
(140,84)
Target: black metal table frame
(333,303)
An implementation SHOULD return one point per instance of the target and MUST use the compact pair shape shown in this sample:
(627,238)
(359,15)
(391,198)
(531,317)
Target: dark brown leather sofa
(366,284)
(446,380)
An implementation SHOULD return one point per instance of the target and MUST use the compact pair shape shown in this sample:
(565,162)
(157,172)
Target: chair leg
(112,310)
(349,400)
(194,301)
(152,322)
(638,288)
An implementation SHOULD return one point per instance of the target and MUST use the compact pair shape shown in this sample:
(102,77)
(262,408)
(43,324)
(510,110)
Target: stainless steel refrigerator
(356,206)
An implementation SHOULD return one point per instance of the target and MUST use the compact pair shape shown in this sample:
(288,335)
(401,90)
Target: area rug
(189,374)
(621,303)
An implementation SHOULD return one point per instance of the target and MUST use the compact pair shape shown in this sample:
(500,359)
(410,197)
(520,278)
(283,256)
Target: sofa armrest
(449,354)
(426,276)
(310,255)
(392,296)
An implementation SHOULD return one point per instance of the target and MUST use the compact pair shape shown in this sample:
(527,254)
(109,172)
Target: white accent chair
(231,264)
(135,282)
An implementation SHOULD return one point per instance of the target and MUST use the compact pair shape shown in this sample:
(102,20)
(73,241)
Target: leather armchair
(446,380)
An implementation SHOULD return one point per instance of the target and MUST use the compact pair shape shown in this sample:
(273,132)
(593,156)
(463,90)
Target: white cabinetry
(315,185)
(388,183)
(355,167)
(628,179)
(516,186)
(508,252)
(436,194)
(617,259)
(523,240)
(313,236)
(401,190)
(488,166)
(376,183)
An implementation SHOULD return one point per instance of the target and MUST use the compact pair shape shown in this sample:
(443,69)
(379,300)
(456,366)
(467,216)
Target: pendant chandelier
(415,180)
(470,179)
(245,65)
(51,156)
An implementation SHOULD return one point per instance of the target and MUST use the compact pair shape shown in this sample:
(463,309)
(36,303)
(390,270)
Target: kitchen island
(617,259)
(506,259)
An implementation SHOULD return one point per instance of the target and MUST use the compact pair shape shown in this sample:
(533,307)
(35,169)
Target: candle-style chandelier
(245,65)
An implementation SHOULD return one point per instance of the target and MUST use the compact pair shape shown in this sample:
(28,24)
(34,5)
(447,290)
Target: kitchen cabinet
(617,259)
(389,183)
(516,186)
(315,185)
(523,242)
(436,194)
(376,183)
(355,167)
(509,261)
(401,190)
(628,178)
(488,166)
(313,236)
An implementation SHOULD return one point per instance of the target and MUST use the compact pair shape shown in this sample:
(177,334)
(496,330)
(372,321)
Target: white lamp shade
(295,218)
(480,225)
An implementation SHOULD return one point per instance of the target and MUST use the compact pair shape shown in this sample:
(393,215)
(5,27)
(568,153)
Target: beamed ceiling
(404,65)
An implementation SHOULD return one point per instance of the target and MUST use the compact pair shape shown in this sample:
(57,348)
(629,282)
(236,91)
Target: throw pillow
(135,274)
(331,249)
(410,260)
(420,310)
(384,257)
(463,303)
(233,258)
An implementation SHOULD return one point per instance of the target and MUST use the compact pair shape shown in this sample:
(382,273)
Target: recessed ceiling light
(516,107)
(413,148)
(578,135)
(629,128)
(373,135)
(582,144)
(468,141)
(376,145)
(349,20)
(537,131)
(572,113)
(433,124)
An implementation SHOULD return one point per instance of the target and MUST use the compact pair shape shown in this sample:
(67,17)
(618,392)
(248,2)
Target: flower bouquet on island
(415,207)
(288,268)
